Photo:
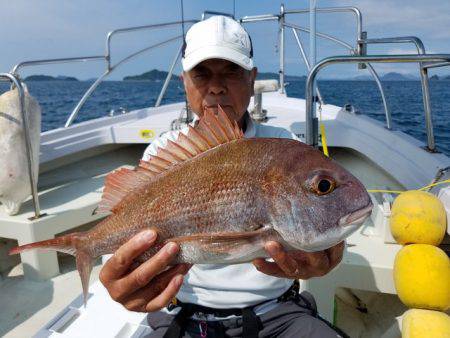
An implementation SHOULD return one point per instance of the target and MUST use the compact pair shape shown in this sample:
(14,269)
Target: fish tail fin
(66,244)
(71,244)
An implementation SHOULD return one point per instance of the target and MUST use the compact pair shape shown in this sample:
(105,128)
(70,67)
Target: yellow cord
(399,192)
(324,140)
(322,132)
(380,190)
(433,184)
(325,151)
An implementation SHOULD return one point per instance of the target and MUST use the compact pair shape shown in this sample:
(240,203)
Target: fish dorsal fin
(211,131)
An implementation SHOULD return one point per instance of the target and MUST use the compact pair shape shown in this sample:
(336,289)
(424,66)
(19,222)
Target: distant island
(156,74)
(393,76)
(271,75)
(50,78)
(160,75)
(400,77)
(151,75)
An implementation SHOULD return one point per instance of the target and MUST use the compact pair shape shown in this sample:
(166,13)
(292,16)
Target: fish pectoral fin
(228,242)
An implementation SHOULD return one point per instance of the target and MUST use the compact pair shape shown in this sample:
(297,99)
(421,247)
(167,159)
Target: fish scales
(223,199)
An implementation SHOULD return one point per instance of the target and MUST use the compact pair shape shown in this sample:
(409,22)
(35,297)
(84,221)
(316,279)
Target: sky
(45,29)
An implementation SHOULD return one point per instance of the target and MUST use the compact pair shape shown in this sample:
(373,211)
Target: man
(247,300)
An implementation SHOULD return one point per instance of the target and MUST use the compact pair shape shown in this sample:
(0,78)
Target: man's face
(222,82)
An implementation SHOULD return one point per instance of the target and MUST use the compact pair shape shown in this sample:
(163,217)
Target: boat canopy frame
(360,49)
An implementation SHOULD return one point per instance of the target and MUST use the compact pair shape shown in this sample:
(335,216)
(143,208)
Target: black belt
(251,324)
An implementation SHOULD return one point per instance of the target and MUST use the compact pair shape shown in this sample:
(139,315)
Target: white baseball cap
(218,37)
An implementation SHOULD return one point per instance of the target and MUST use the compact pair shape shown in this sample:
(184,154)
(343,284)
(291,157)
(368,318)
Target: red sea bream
(221,196)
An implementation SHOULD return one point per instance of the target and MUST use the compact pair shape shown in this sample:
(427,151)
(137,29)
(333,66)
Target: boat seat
(68,196)
(64,207)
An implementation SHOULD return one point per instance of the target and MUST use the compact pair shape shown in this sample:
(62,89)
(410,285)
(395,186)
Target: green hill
(50,78)
(151,75)
(271,75)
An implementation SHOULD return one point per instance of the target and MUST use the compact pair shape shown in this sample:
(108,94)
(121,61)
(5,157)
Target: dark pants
(288,319)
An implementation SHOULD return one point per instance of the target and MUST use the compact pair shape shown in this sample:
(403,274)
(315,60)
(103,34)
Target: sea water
(58,98)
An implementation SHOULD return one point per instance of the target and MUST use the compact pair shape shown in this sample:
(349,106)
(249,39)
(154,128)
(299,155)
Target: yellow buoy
(418,217)
(417,323)
(422,277)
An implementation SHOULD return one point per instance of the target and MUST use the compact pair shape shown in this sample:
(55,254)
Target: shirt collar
(250,130)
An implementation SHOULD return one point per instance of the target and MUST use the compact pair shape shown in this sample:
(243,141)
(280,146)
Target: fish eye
(324,186)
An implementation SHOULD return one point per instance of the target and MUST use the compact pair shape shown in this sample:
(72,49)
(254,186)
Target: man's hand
(299,264)
(149,287)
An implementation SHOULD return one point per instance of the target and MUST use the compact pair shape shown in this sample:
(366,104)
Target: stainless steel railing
(169,76)
(358,50)
(106,58)
(312,133)
(110,69)
(14,78)
(423,79)
(33,180)
(352,50)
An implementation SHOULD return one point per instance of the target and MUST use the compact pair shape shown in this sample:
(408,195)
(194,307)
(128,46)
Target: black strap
(251,324)
(178,325)
(208,310)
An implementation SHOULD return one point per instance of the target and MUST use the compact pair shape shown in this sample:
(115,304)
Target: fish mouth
(357,217)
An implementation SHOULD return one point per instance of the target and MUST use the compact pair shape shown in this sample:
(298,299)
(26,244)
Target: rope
(322,132)
(434,184)
(421,189)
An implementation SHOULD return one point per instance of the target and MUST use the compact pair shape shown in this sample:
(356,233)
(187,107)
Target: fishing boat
(43,293)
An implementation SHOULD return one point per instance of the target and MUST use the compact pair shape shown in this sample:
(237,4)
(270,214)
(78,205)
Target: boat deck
(43,300)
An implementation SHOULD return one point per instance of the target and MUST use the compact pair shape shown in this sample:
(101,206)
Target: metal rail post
(311,132)
(350,48)
(423,79)
(168,77)
(30,163)
(281,42)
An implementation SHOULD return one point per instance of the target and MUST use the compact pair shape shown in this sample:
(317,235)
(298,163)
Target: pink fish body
(220,197)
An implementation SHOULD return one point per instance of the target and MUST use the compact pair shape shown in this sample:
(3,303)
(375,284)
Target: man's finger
(269,268)
(166,296)
(143,274)
(318,259)
(139,300)
(122,259)
(282,259)
(335,254)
